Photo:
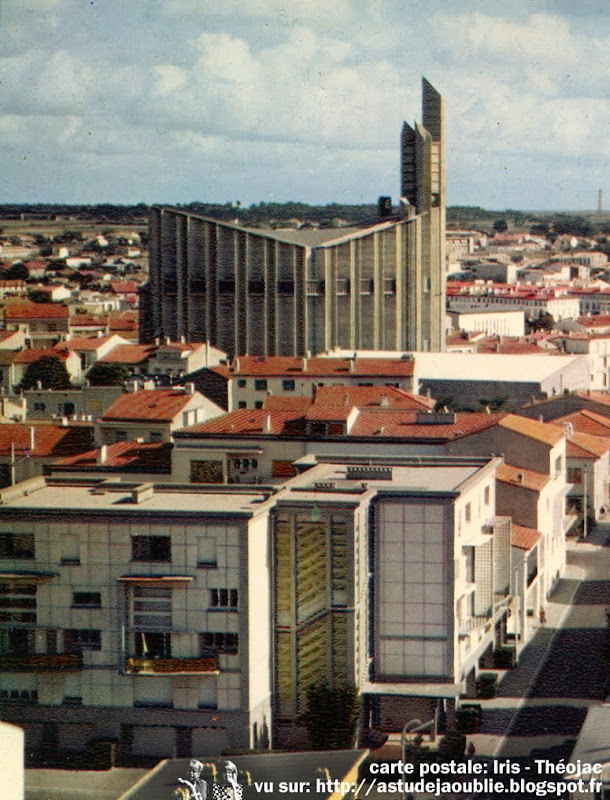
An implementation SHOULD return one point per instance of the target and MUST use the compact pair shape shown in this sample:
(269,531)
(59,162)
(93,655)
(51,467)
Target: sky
(175,101)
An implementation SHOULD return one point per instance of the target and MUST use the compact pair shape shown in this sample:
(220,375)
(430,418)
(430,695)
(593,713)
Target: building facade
(271,292)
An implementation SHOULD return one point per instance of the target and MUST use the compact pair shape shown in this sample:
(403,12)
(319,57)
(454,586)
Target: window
(574,475)
(288,385)
(151,548)
(241,383)
(19,695)
(155,436)
(223,598)
(40,406)
(18,602)
(17,545)
(242,404)
(558,466)
(78,639)
(87,599)
(468,512)
(149,644)
(206,472)
(120,436)
(486,495)
(260,384)
(211,644)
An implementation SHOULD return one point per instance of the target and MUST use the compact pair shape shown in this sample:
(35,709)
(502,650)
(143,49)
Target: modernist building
(191,619)
(294,292)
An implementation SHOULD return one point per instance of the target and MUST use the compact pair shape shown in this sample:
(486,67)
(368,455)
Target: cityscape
(310,496)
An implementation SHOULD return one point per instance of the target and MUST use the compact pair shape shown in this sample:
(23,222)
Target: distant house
(43,324)
(152,415)
(27,450)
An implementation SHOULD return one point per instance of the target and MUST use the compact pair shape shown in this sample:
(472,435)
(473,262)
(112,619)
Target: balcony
(14,662)
(171,666)
(474,623)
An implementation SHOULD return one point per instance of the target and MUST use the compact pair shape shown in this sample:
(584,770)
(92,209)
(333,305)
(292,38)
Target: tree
(16,273)
(49,371)
(332,716)
(108,374)
(500,226)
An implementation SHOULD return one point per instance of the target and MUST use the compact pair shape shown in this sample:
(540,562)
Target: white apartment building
(135,612)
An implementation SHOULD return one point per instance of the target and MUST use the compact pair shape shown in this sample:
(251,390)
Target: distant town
(289,478)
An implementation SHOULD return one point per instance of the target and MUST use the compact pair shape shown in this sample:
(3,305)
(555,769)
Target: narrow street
(542,702)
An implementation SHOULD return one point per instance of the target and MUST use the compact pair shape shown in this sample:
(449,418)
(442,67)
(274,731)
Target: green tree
(16,273)
(332,716)
(50,371)
(500,226)
(108,374)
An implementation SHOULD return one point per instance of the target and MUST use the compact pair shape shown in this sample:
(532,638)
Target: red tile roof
(329,413)
(126,456)
(282,366)
(123,287)
(584,445)
(283,403)
(585,421)
(150,405)
(540,431)
(596,321)
(247,421)
(524,538)
(27,311)
(402,424)
(49,440)
(128,354)
(33,354)
(365,396)
(83,343)
(525,478)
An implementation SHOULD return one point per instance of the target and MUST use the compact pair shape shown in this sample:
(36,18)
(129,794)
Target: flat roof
(114,496)
(519,368)
(332,482)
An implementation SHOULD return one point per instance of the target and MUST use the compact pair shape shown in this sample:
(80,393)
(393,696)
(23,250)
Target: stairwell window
(151,548)
(224,599)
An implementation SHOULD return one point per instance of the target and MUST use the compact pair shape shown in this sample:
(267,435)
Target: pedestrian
(471,750)
(542,616)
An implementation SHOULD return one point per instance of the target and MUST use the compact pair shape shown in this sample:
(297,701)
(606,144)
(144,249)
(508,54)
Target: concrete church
(293,292)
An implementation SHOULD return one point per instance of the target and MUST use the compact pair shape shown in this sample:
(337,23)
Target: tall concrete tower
(423,194)
(600,202)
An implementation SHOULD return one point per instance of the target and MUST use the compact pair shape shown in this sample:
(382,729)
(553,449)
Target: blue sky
(248,100)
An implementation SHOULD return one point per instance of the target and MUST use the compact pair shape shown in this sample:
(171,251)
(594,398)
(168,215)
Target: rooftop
(524,478)
(540,431)
(524,538)
(151,405)
(317,366)
(30,311)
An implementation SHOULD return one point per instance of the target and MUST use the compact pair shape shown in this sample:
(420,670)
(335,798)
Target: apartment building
(135,612)
(247,381)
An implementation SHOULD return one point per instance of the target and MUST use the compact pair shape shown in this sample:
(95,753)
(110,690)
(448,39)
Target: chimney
(168,340)
(189,388)
(384,402)
(267,423)
(32,437)
(304,365)
(351,363)
(102,454)
(183,340)
(519,477)
(39,385)
(64,422)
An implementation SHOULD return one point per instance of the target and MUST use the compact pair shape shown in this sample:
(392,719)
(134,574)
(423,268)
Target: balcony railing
(43,661)
(474,623)
(165,666)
